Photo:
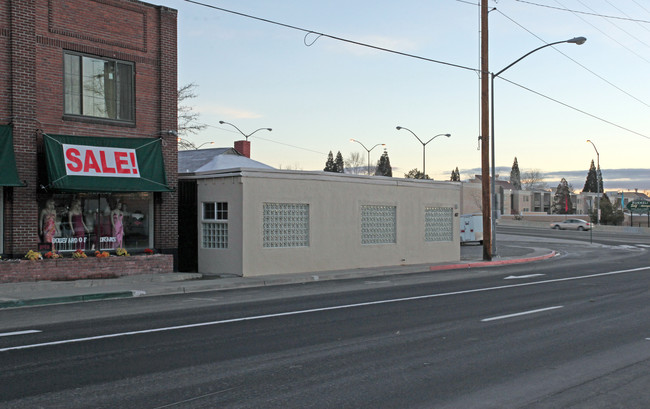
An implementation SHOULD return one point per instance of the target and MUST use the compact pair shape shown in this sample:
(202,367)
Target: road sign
(639,206)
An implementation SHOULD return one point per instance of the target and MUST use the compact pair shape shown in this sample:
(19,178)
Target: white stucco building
(260,221)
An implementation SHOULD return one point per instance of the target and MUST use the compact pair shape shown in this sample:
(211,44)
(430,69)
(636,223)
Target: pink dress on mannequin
(118,229)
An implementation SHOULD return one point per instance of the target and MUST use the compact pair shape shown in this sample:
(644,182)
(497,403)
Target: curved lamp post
(368,150)
(424,144)
(204,143)
(240,131)
(575,40)
(597,182)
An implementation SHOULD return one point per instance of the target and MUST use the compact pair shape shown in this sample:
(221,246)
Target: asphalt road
(571,332)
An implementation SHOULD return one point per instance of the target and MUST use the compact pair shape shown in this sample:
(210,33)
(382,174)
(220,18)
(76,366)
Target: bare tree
(355,164)
(533,179)
(188,119)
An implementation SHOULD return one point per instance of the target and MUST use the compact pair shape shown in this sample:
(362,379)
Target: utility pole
(485,135)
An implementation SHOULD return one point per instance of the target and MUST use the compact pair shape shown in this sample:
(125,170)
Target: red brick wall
(31,78)
(13,271)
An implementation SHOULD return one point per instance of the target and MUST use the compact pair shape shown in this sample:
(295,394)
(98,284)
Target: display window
(102,222)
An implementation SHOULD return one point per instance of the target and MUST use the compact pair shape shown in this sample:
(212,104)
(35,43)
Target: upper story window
(99,88)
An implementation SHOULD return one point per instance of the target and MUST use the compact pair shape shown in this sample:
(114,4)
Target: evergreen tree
(609,214)
(329,165)
(416,174)
(591,184)
(562,199)
(455,175)
(600,180)
(515,175)
(338,164)
(383,165)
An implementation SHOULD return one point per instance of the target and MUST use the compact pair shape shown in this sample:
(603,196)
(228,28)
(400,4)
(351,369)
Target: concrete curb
(69,299)
(492,263)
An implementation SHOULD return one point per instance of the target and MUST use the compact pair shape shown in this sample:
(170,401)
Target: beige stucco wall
(335,202)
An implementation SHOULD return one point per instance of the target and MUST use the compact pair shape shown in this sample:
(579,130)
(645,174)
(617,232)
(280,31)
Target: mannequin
(76,222)
(117,221)
(47,224)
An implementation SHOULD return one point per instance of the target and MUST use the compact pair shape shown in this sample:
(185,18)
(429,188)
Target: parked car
(571,224)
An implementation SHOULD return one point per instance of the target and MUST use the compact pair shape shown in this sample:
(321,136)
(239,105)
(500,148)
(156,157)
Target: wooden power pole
(485,136)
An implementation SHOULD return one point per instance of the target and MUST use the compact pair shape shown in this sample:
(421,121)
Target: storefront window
(96,222)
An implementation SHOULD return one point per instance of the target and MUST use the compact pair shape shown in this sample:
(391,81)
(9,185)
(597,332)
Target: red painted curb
(491,263)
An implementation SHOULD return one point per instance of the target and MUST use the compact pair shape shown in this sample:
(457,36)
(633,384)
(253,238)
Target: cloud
(613,179)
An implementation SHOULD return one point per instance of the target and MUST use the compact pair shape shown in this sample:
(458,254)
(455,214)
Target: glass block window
(214,232)
(215,235)
(286,225)
(378,224)
(438,224)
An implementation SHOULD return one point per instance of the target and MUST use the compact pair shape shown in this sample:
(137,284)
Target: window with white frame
(378,224)
(98,87)
(214,226)
(438,224)
(285,225)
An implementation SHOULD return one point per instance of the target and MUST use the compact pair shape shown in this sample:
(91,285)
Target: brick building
(87,126)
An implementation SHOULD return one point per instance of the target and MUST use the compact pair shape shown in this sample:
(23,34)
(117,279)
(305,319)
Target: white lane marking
(524,276)
(518,314)
(10,334)
(313,310)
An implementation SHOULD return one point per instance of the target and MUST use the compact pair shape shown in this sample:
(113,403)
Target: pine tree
(455,175)
(338,164)
(600,180)
(515,175)
(383,165)
(591,184)
(329,165)
(562,199)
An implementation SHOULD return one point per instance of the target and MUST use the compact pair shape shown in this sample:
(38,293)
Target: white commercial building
(254,221)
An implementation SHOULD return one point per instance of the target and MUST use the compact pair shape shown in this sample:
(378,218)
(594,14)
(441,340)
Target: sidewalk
(54,292)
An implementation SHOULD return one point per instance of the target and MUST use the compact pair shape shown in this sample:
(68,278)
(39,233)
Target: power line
(575,109)
(563,8)
(345,40)
(625,14)
(617,26)
(608,36)
(269,140)
(576,62)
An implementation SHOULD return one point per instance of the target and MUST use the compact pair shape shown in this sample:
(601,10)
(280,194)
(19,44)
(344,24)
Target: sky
(317,93)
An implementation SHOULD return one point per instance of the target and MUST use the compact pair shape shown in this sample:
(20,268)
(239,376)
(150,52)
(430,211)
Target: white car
(571,224)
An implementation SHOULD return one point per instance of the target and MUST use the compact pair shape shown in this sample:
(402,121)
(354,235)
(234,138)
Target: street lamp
(597,182)
(575,40)
(368,150)
(424,144)
(204,143)
(243,134)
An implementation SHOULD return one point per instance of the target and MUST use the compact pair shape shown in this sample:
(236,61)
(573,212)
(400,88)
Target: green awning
(9,174)
(99,164)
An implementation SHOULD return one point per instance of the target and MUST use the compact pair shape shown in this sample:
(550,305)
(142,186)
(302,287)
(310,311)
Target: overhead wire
(269,140)
(564,8)
(575,109)
(625,14)
(617,26)
(333,37)
(576,62)
(319,34)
